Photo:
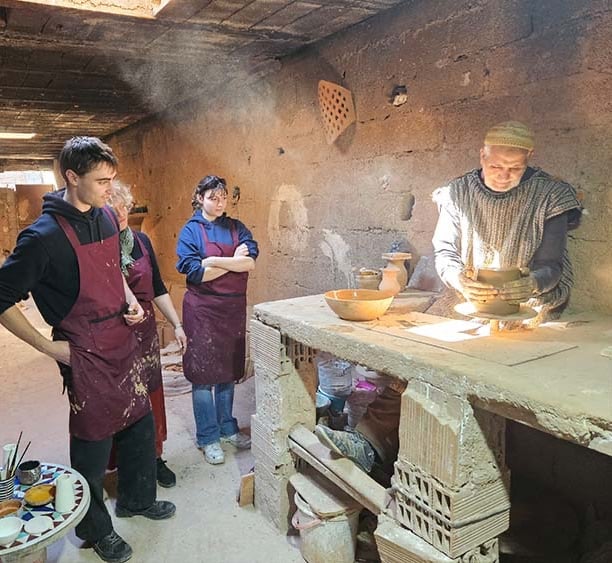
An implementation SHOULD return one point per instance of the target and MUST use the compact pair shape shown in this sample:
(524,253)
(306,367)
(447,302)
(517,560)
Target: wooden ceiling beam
(119,51)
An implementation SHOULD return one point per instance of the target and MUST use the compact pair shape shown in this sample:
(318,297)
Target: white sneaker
(238,440)
(213,453)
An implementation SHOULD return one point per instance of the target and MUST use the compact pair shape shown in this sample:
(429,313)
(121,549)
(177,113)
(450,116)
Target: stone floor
(208,527)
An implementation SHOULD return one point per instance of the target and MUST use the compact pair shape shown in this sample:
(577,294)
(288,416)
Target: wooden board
(246,493)
(339,470)
(471,338)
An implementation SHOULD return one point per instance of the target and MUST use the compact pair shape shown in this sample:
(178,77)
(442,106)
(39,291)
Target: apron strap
(111,215)
(68,230)
(142,245)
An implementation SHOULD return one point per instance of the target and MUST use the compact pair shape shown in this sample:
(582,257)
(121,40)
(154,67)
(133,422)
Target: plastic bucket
(325,540)
(336,403)
(323,404)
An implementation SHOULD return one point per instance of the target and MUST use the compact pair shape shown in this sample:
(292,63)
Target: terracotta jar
(367,279)
(389,281)
(497,277)
(397,261)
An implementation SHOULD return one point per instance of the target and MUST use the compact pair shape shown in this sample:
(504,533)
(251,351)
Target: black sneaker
(159,510)
(113,548)
(165,477)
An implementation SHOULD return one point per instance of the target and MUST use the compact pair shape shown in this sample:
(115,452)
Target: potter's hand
(241,250)
(135,314)
(474,291)
(518,291)
(59,350)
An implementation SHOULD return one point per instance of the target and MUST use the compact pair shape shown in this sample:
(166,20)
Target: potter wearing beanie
(507,214)
(510,134)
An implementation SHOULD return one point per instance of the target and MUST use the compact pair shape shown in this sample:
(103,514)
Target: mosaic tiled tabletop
(62,523)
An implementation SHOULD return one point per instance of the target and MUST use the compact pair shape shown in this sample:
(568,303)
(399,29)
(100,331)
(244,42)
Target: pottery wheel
(469,310)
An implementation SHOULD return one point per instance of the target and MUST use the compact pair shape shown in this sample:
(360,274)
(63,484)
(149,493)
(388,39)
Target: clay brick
(466,503)
(452,541)
(267,350)
(448,439)
(269,445)
(398,545)
(272,496)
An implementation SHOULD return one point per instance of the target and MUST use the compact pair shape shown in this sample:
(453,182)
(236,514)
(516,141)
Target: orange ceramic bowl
(11,507)
(358,304)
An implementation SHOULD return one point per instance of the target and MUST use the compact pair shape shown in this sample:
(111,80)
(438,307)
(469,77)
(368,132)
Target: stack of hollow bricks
(285,386)
(451,484)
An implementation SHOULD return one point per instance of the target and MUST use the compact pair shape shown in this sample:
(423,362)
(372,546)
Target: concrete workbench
(553,379)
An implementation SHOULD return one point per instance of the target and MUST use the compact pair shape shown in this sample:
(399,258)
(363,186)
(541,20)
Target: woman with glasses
(139,266)
(216,253)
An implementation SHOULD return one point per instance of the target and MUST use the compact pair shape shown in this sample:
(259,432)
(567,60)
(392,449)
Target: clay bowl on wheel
(358,304)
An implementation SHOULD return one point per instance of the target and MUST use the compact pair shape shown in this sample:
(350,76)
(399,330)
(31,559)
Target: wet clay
(497,277)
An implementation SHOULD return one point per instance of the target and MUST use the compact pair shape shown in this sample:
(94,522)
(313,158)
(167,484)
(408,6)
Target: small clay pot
(368,279)
(497,277)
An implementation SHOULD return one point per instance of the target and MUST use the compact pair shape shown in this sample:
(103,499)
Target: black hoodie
(44,262)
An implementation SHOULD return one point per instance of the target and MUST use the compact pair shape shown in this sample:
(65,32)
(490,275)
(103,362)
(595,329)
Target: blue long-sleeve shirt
(190,247)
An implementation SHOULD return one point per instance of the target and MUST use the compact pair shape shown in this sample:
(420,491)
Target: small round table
(33,547)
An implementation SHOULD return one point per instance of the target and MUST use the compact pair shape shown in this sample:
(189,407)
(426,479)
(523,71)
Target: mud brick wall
(320,210)
(9,225)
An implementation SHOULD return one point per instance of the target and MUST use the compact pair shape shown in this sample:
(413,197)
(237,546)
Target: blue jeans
(213,416)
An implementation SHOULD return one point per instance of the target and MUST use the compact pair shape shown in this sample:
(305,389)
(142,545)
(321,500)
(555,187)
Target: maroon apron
(140,280)
(214,319)
(106,390)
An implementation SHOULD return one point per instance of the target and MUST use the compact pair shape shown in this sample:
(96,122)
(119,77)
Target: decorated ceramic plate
(39,495)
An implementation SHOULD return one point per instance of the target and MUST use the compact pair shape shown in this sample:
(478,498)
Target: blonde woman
(139,266)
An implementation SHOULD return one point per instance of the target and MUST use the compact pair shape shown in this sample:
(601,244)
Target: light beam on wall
(16,136)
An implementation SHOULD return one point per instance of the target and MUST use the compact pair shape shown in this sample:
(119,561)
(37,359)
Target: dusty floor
(208,527)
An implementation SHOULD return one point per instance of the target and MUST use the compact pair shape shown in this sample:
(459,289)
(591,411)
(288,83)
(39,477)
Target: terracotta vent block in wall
(337,109)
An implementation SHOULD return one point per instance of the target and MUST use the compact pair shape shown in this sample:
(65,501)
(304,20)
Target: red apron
(140,280)
(105,386)
(214,319)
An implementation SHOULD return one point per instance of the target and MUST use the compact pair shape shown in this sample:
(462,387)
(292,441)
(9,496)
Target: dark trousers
(136,474)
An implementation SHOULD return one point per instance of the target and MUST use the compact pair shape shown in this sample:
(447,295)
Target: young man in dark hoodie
(69,259)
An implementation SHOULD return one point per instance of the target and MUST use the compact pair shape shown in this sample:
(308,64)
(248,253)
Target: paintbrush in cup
(10,461)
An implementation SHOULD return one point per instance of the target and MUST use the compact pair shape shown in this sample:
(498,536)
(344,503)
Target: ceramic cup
(8,451)
(64,494)
(28,472)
